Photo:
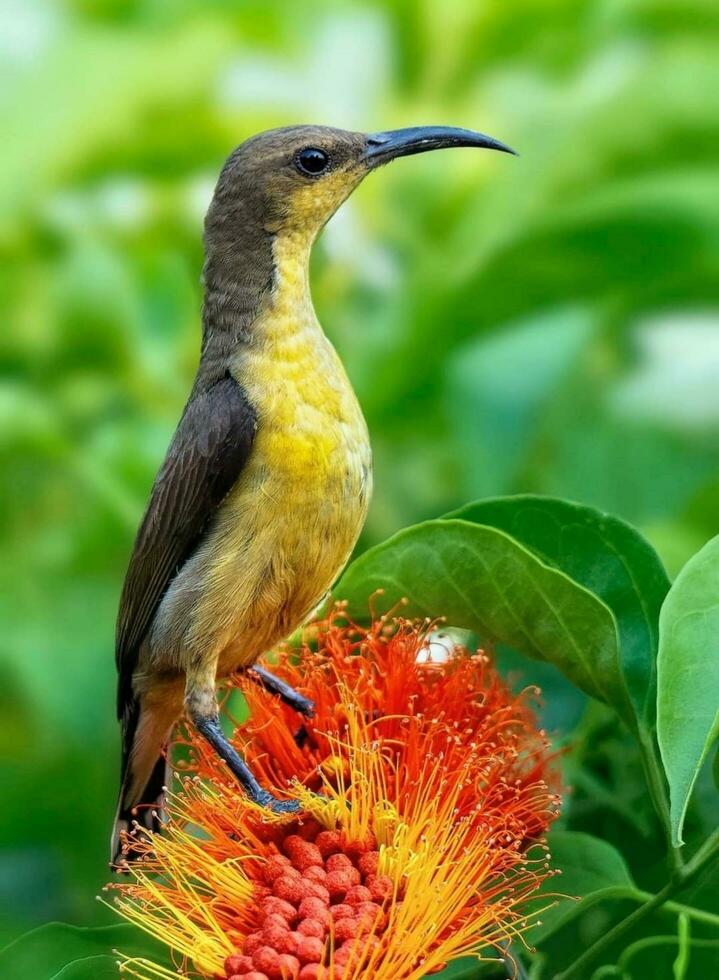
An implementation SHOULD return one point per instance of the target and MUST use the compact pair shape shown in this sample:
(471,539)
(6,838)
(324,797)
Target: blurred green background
(548,323)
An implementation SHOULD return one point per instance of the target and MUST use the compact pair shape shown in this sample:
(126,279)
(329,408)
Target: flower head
(424,789)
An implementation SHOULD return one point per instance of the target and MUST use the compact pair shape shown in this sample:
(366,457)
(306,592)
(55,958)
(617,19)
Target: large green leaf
(688,677)
(592,870)
(470,968)
(90,968)
(606,556)
(482,579)
(47,952)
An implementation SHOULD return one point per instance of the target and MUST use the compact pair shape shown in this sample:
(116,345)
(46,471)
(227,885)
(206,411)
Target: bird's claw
(306,706)
(271,802)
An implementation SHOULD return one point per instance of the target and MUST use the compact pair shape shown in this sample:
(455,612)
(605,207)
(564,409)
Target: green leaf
(606,556)
(90,968)
(592,870)
(498,386)
(469,968)
(46,952)
(688,677)
(482,579)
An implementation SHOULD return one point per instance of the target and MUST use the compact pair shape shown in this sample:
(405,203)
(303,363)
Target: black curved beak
(383,147)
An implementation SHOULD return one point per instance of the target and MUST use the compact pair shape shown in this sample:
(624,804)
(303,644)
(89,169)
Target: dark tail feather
(137,809)
(147,814)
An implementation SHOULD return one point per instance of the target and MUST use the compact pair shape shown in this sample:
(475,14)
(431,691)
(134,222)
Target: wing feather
(206,456)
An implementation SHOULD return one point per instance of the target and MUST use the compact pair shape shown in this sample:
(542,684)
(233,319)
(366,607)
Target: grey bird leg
(211,730)
(286,693)
(202,710)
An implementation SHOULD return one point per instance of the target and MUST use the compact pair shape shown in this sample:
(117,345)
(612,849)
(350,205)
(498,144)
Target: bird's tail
(145,774)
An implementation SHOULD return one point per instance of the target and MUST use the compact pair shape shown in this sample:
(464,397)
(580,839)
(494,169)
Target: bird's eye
(312,161)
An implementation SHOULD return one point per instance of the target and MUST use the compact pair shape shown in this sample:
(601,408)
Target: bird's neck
(289,309)
(257,291)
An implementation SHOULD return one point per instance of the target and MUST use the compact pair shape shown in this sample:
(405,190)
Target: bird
(267,480)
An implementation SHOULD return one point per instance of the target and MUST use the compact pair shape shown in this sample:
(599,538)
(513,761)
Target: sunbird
(266,483)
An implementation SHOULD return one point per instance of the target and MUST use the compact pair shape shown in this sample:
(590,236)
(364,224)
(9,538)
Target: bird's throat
(289,309)
(289,367)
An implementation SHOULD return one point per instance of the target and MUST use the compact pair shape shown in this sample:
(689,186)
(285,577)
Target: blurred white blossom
(437,648)
(340,78)
(675,380)
(27,28)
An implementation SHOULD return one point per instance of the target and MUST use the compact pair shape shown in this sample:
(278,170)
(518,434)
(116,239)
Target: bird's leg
(201,707)
(288,694)
(211,730)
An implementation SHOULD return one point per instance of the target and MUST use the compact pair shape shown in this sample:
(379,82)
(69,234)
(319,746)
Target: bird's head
(292,180)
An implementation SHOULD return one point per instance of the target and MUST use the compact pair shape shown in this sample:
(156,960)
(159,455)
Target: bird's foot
(305,706)
(271,802)
(211,729)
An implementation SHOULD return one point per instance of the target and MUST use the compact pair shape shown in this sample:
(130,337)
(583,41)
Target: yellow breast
(310,426)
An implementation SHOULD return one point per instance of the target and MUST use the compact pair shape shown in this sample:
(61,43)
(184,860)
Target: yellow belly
(288,527)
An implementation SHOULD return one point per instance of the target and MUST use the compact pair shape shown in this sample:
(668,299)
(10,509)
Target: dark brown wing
(206,455)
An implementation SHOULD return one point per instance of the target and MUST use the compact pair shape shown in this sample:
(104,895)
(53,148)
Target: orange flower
(424,787)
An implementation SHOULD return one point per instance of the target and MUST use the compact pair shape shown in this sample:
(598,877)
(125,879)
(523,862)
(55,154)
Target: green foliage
(62,952)
(89,968)
(688,671)
(606,556)
(493,414)
(591,870)
(470,968)
(681,963)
